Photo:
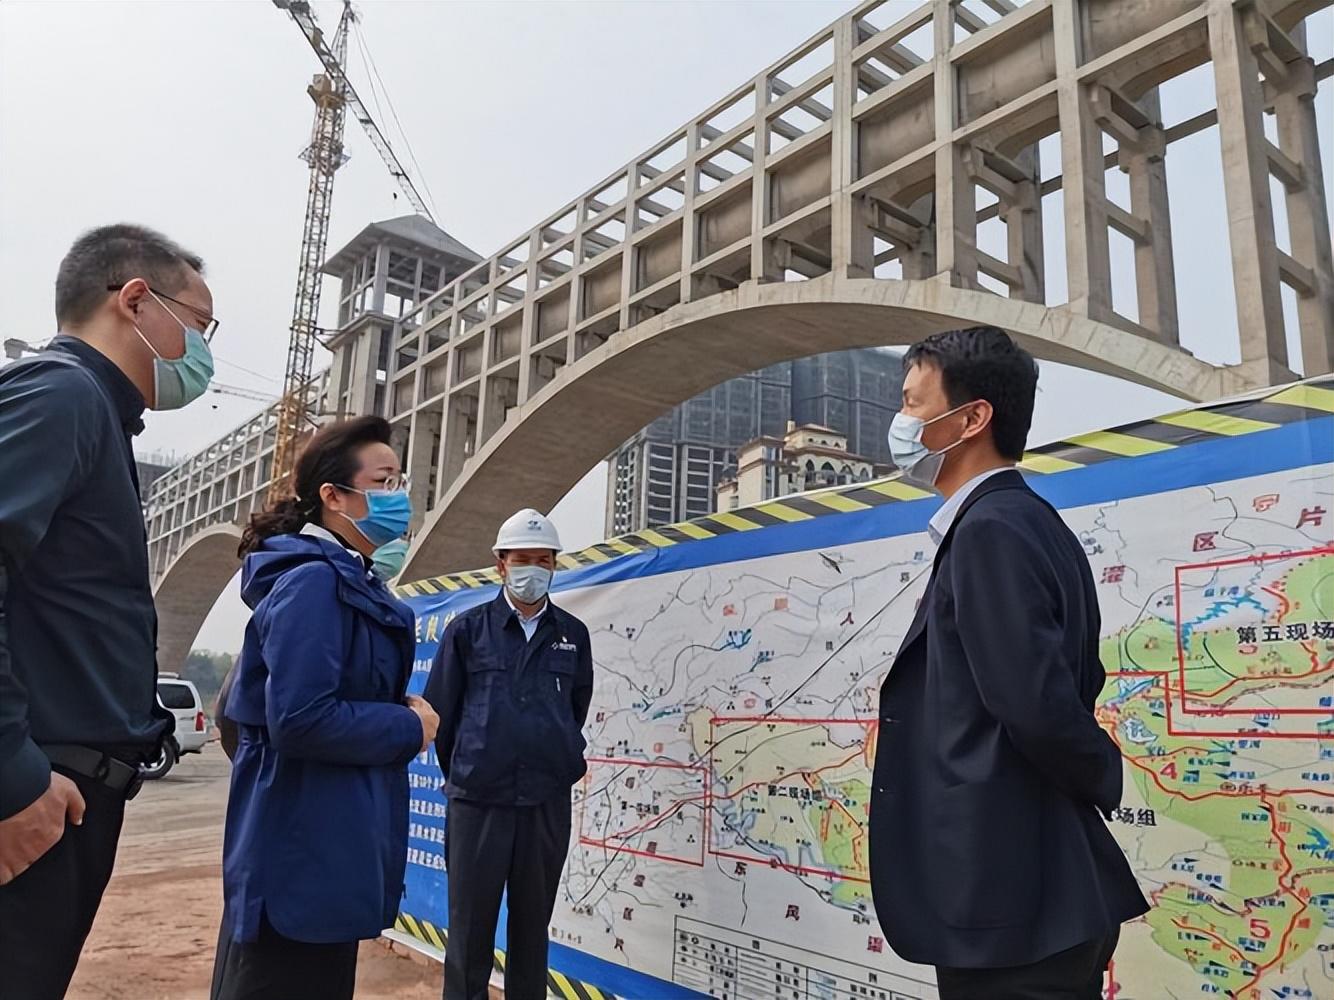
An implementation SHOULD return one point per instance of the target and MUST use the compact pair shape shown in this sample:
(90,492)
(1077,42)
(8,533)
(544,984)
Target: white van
(180,698)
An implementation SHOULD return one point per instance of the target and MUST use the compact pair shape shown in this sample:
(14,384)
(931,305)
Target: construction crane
(334,97)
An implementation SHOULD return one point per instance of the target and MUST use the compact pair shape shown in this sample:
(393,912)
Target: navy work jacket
(512,710)
(987,846)
(317,823)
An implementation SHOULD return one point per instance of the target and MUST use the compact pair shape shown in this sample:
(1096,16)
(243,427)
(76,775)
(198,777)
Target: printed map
(721,831)
(720,836)
(1219,693)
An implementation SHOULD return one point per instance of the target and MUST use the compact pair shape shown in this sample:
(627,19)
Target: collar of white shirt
(540,611)
(939,525)
(318,531)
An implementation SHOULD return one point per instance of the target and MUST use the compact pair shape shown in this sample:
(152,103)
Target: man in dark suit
(989,858)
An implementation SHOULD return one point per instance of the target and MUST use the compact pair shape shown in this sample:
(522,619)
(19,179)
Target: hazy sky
(188,116)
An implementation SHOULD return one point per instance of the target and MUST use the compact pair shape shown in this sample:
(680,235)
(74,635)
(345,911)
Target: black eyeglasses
(211,323)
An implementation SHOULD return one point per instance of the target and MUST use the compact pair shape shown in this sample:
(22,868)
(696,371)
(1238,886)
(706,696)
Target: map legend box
(733,965)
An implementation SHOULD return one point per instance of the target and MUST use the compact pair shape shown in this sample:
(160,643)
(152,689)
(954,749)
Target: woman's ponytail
(286,517)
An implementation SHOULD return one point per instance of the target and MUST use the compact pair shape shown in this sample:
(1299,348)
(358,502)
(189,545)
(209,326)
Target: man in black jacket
(78,709)
(989,858)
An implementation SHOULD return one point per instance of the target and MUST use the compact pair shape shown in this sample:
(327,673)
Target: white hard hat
(528,529)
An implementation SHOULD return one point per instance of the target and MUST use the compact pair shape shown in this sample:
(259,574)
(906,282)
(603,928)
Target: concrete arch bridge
(879,182)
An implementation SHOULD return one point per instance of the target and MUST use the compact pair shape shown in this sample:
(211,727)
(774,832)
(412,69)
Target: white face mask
(921,466)
(528,584)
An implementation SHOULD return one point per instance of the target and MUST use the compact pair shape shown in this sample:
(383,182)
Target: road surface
(156,933)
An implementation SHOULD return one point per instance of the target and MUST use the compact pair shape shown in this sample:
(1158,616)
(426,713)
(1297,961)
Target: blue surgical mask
(528,584)
(919,464)
(388,514)
(179,381)
(387,561)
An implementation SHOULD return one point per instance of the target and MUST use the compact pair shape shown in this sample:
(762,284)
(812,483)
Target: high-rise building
(856,393)
(669,471)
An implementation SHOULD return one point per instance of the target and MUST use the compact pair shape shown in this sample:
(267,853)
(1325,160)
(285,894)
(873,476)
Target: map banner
(719,842)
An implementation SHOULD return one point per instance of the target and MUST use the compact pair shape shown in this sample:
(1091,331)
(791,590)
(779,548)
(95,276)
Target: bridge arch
(548,443)
(189,588)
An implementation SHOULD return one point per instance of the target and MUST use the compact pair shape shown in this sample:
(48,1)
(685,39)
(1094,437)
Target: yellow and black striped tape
(1293,404)
(558,985)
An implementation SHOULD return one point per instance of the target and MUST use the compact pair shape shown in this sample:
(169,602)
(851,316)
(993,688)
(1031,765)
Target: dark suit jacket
(987,847)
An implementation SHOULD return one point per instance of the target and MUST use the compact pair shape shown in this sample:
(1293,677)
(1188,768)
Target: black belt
(115,774)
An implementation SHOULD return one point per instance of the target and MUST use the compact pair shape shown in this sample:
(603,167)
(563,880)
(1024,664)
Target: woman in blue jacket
(317,822)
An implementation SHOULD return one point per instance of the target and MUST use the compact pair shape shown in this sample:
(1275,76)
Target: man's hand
(29,834)
(429,720)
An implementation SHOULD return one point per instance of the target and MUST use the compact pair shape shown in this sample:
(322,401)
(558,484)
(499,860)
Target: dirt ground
(156,932)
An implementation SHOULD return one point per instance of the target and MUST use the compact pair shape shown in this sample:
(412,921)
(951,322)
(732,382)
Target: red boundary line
(1319,550)
(621,848)
(1183,688)
(868,720)
(794,869)
(1233,734)
(637,762)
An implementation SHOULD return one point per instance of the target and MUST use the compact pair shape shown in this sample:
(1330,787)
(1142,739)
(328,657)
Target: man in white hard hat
(511,682)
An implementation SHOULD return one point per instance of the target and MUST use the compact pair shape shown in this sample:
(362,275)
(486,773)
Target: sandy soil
(157,930)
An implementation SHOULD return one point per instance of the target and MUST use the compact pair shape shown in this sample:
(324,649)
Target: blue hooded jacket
(317,823)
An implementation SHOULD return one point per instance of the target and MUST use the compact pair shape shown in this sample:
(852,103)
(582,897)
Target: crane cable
(240,368)
(370,80)
(373,77)
(407,143)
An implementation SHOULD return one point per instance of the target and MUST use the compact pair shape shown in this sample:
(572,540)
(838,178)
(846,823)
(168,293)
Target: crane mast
(334,97)
(324,155)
